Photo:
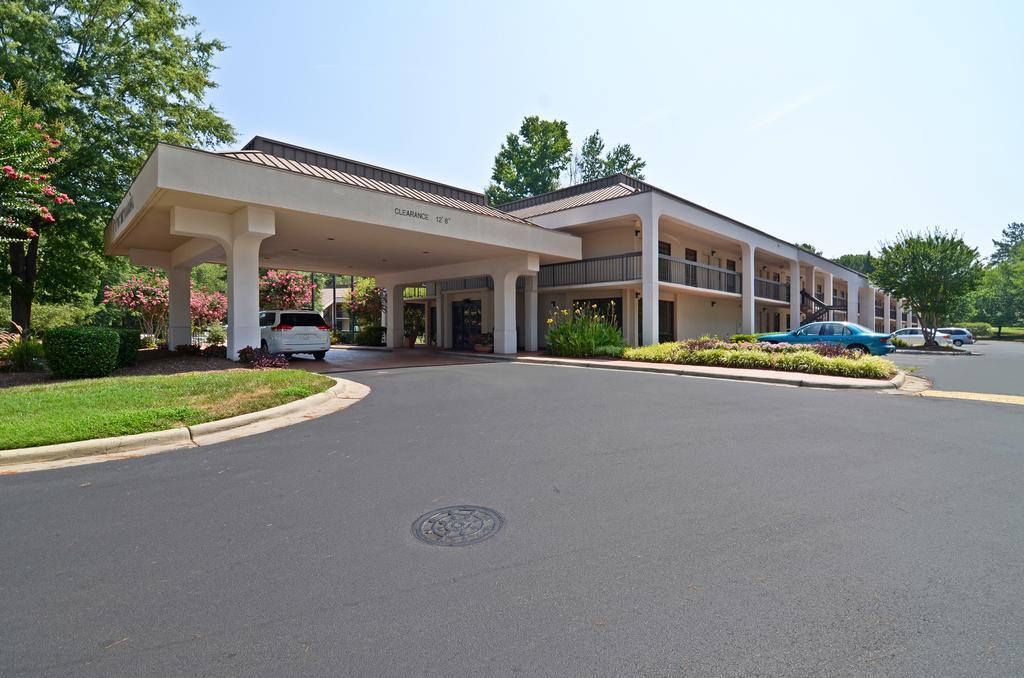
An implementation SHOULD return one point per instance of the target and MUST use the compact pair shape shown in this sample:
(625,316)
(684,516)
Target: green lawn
(1013,333)
(97,408)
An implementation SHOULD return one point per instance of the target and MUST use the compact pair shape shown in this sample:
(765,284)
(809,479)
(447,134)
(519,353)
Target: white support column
(505,312)
(426,322)
(395,315)
(867,307)
(442,317)
(179,327)
(530,313)
(888,315)
(827,292)
(249,226)
(794,295)
(899,314)
(649,274)
(852,301)
(747,310)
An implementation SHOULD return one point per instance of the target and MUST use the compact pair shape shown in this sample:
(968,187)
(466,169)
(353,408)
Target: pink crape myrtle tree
(285,290)
(207,308)
(144,298)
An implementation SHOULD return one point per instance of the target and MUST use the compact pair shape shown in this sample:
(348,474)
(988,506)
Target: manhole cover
(457,525)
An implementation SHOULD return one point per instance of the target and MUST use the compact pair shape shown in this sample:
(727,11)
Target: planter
(483,348)
(409,342)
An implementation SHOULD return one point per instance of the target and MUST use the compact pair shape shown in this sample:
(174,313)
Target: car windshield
(302,319)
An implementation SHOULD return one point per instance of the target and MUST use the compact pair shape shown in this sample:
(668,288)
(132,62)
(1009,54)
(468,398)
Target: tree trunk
(23,287)
(999,332)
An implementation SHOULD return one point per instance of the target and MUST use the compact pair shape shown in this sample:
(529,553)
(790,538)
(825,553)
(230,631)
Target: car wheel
(958,342)
(858,350)
(320,355)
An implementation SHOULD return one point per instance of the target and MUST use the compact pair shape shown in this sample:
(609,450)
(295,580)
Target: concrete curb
(956,352)
(758,376)
(340,396)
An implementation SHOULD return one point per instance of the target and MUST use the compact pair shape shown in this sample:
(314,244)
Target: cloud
(787,109)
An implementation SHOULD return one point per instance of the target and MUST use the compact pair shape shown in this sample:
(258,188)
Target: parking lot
(998,368)
(653,526)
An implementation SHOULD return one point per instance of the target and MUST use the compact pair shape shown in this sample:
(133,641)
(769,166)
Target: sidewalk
(762,376)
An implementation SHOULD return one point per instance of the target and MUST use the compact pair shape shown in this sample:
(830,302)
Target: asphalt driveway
(655,526)
(999,368)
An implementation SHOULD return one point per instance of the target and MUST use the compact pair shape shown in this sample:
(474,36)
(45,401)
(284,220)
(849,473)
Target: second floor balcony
(627,268)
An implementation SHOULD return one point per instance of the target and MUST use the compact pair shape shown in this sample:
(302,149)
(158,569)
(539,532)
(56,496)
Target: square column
(649,275)
(899,315)
(505,312)
(530,313)
(794,295)
(179,298)
(747,310)
(867,307)
(395,315)
(249,227)
(887,326)
(827,292)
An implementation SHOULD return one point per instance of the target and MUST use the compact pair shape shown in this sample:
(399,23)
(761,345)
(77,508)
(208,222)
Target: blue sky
(837,124)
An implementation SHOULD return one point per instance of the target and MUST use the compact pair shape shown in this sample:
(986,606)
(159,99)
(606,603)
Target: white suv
(291,332)
(913,336)
(959,335)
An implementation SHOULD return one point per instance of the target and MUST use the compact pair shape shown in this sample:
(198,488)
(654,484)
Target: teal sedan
(851,335)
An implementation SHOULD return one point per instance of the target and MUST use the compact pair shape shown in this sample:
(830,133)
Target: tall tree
(808,247)
(530,162)
(121,75)
(589,163)
(932,271)
(1000,299)
(865,263)
(1013,238)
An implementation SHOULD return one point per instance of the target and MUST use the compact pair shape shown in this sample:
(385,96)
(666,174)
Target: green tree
(121,75)
(589,163)
(1000,299)
(865,263)
(932,271)
(1013,238)
(530,162)
(807,247)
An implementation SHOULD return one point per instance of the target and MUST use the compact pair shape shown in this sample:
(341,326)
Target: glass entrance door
(467,319)
(666,320)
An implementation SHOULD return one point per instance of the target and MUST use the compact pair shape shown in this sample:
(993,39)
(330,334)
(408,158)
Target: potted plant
(485,343)
(413,325)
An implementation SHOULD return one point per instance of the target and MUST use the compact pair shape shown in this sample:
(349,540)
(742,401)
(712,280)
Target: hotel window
(691,255)
(730,264)
(664,248)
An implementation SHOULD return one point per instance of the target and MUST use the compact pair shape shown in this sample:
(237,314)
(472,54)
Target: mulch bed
(151,361)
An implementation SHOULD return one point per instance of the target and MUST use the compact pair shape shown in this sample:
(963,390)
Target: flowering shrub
(783,357)
(821,348)
(207,309)
(259,359)
(143,298)
(366,303)
(580,332)
(285,290)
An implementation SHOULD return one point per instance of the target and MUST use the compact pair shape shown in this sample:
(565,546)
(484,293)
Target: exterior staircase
(813,309)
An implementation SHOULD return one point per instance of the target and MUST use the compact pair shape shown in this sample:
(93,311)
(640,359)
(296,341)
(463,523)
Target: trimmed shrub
(371,335)
(128,349)
(78,352)
(977,329)
(581,332)
(188,349)
(743,338)
(216,335)
(610,351)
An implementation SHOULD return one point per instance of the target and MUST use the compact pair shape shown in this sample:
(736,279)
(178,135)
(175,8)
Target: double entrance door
(467,323)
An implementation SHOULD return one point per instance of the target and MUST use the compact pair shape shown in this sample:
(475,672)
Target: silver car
(958,335)
(913,336)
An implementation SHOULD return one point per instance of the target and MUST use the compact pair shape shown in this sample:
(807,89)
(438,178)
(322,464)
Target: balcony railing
(839,302)
(456,284)
(771,289)
(683,272)
(615,268)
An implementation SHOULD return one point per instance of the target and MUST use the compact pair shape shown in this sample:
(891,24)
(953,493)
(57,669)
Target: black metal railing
(771,289)
(683,272)
(839,303)
(614,268)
